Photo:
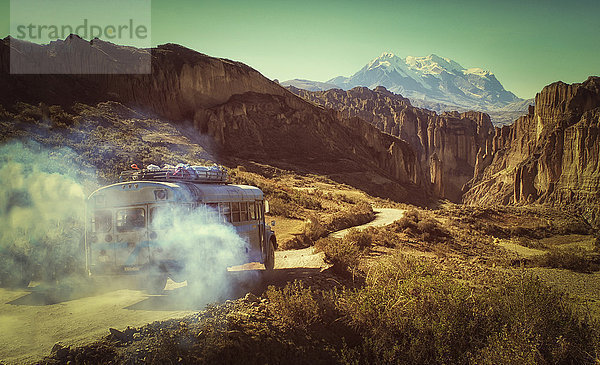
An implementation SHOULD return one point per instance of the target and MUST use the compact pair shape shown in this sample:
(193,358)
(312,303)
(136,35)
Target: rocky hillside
(549,156)
(180,80)
(447,145)
(244,115)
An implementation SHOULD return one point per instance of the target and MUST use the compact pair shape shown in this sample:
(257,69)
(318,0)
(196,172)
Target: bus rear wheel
(270,259)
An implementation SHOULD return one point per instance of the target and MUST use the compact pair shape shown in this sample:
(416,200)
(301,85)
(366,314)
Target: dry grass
(410,312)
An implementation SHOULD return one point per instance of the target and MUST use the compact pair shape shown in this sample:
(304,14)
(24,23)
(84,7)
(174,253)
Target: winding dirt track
(33,320)
(383,217)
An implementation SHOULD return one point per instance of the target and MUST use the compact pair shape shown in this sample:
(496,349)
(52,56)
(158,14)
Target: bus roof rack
(181,172)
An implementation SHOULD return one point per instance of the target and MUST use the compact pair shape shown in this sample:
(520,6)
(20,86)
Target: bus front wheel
(270,259)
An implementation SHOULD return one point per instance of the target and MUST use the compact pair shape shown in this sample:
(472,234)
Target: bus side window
(235,210)
(225,211)
(243,211)
(252,211)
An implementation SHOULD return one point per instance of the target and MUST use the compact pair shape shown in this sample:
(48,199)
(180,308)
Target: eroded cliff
(450,146)
(549,156)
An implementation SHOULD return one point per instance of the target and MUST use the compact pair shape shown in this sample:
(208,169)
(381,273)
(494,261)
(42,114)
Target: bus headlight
(153,235)
(103,257)
(160,194)
(108,238)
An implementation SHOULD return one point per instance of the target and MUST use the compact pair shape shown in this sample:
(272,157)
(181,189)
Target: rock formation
(248,116)
(448,146)
(181,80)
(549,156)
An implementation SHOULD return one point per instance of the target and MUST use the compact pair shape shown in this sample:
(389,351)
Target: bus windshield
(161,217)
(130,219)
(102,221)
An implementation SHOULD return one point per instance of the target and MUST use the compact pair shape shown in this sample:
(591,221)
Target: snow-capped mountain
(428,80)
(308,85)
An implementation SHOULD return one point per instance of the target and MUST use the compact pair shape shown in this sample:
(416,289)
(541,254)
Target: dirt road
(33,320)
(383,217)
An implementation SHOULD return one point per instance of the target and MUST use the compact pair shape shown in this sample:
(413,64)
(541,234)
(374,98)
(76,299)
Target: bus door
(253,230)
(260,212)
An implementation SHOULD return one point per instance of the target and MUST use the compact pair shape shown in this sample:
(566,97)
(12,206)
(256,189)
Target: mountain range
(431,82)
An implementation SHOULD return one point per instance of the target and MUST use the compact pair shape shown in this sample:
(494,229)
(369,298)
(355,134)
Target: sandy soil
(30,327)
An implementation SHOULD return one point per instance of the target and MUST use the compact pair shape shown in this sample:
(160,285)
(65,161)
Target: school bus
(123,236)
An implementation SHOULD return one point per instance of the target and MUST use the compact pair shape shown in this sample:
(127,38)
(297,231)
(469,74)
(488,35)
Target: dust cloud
(41,213)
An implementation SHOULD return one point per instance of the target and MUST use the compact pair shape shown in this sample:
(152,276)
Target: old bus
(123,238)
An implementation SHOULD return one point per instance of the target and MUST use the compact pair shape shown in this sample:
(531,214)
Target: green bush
(410,314)
(341,253)
(381,236)
(408,221)
(427,229)
(280,207)
(28,113)
(315,228)
(298,305)
(538,322)
(572,258)
(361,239)
(61,119)
(358,214)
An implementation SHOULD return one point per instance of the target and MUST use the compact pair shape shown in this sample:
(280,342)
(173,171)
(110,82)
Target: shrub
(427,229)
(306,200)
(358,214)
(410,313)
(430,230)
(381,236)
(315,228)
(572,258)
(28,113)
(61,119)
(538,323)
(361,239)
(280,207)
(298,305)
(341,253)
(5,115)
(312,231)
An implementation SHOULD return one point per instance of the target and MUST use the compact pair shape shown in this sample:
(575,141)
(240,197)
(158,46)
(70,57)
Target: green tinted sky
(527,44)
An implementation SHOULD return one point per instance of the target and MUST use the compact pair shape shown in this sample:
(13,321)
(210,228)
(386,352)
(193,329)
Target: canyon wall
(549,156)
(449,146)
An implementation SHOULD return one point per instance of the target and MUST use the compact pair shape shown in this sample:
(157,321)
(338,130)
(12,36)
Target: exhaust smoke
(205,246)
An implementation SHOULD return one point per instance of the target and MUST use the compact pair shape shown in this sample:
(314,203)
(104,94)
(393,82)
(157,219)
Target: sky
(526,44)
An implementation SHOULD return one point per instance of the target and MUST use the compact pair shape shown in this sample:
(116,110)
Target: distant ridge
(309,85)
